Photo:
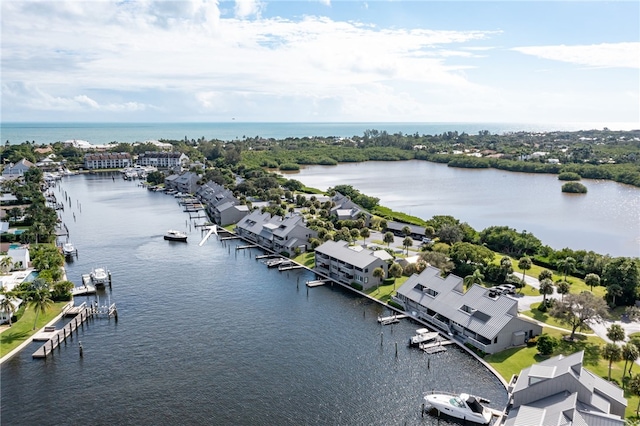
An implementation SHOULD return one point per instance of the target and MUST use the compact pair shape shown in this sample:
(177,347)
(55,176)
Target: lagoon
(606,220)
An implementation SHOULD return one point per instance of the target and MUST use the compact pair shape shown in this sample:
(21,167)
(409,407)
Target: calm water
(605,220)
(102,133)
(208,335)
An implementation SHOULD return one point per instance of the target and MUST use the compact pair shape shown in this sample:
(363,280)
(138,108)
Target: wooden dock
(317,283)
(288,265)
(83,290)
(250,246)
(80,314)
(435,347)
(392,319)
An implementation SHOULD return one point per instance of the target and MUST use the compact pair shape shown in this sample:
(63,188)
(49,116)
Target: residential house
(277,233)
(560,391)
(187,182)
(351,264)
(4,315)
(16,170)
(19,257)
(345,209)
(415,232)
(107,160)
(479,317)
(222,206)
(163,160)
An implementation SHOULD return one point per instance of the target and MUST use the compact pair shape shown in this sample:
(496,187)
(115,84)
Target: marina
(209,319)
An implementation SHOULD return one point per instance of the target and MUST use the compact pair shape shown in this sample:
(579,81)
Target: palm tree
(525,264)
(592,280)
(545,273)
(406,231)
(611,352)
(630,354)
(567,265)
(613,291)
(5,264)
(378,273)
(40,300)
(563,288)
(365,233)
(6,305)
(388,238)
(407,242)
(634,387)
(616,333)
(546,287)
(475,278)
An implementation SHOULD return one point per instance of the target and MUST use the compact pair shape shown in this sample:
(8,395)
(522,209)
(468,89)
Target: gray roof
(482,314)
(341,250)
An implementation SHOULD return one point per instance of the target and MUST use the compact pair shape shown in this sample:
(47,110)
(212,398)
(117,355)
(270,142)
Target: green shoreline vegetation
(489,257)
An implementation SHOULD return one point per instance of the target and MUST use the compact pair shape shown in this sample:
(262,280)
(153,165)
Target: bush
(356,286)
(574,188)
(571,176)
(546,344)
(395,305)
(289,166)
(533,341)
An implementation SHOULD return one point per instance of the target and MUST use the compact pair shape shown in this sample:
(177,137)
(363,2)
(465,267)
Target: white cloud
(247,8)
(604,55)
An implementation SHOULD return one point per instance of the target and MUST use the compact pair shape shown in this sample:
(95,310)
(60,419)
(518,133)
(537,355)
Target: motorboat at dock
(98,278)
(461,406)
(173,235)
(68,249)
(423,335)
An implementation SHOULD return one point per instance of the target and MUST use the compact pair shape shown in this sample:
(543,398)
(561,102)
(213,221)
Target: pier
(53,338)
(83,290)
(317,283)
(392,319)
(250,246)
(435,347)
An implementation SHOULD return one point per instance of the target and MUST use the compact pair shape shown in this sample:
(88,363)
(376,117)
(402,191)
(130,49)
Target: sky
(321,61)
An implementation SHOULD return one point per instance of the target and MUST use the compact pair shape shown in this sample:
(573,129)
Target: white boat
(100,277)
(423,335)
(68,249)
(463,406)
(173,235)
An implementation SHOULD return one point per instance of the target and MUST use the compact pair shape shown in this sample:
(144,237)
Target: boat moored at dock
(98,278)
(461,406)
(423,335)
(68,249)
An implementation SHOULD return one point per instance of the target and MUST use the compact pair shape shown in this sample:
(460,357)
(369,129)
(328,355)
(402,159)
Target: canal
(209,335)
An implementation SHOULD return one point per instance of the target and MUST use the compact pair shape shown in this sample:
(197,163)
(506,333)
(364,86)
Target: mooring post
(80,345)
(381,337)
(396,349)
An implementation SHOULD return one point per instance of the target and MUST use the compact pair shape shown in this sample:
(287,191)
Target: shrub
(568,176)
(356,286)
(533,341)
(574,188)
(395,305)
(289,166)
(546,344)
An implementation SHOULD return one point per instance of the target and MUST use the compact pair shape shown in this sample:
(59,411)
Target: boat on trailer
(461,406)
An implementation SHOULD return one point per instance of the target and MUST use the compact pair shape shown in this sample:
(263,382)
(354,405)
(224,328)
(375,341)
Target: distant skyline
(321,61)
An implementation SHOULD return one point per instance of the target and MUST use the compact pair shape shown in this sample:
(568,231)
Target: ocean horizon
(107,132)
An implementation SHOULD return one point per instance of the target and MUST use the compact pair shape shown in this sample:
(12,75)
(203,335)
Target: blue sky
(321,60)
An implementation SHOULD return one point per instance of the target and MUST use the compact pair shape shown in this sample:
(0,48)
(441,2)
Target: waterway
(606,220)
(209,335)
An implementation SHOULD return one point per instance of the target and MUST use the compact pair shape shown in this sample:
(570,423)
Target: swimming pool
(32,276)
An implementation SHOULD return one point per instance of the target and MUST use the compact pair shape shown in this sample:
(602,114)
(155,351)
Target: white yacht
(68,249)
(463,406)
(100,277)
(423,335)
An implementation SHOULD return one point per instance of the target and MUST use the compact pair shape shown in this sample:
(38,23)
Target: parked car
(511,289)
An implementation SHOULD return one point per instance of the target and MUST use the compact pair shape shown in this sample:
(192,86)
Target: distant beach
(103,133)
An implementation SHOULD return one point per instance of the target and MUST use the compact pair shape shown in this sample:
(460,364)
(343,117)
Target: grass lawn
(384,292)
(21,330)
(548,319)
(307,259)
